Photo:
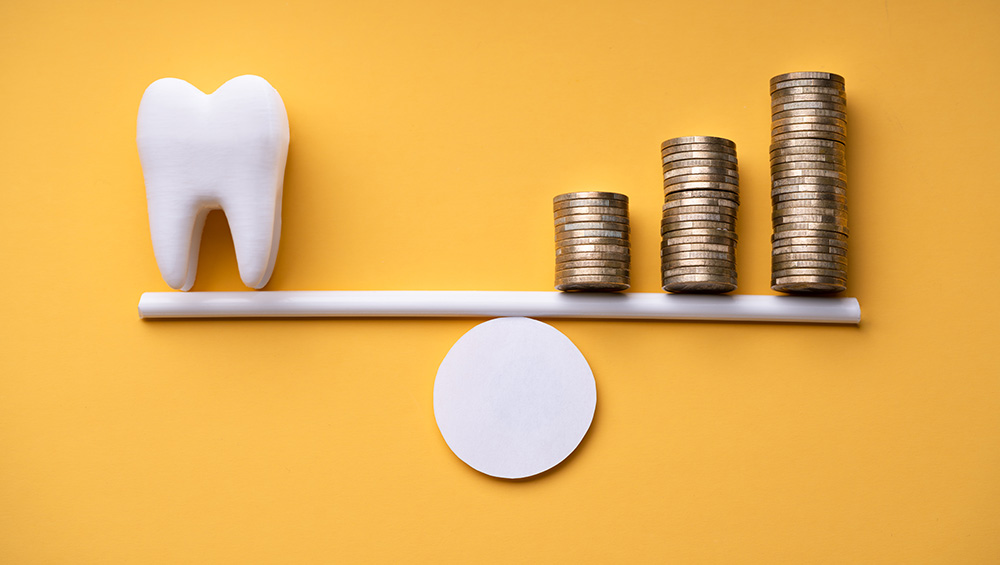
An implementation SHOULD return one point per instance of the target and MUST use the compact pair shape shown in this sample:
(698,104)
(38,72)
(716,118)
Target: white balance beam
(491,304)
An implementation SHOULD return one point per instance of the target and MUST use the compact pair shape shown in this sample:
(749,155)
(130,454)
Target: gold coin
(805,252)
(712,202)
(808,120)
(698,255)
(808,287)
(592,272)
(592,248)
(598,195)
(803,244)
(681,156)
(582,264)
(725,271)
(779,221)
(827,273)
(710,147)
(681,248)
(718,263)
(819,239)
(807,150)
(692,209)
(615,234)
(798,143)
(834,92)
(800,112)
(778,100)
(667,225)
(809,211)
(778,253)
(669,176)
(592,241)
(588,210)
(700,232)
(808,184)
(821,226)
(795,173)
(787,213)
(798,265)
(806,167)
(820,257)
(591,283)
(699,287)
(593,256)
(685,163)
(812,188)
(729,278)
(608,226)
(693,217)
(808,106)
(808,279)
(810,89)
(822,129)
(809,134)
(710,232)
(695,240)
(809,196)
(808,234)
(684,179)
(720,195)
(680,190)
(807,83)
(779,262)
(808,158)
(576,218)
(806,75)
(567,205)
(701,139)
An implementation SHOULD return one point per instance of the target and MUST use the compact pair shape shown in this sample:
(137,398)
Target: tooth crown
(201,152)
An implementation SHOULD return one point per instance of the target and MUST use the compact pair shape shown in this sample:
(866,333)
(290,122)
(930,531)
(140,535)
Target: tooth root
(175,225)
(255,221)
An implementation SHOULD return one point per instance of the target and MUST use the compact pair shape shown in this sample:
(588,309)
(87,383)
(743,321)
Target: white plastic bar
(490,304)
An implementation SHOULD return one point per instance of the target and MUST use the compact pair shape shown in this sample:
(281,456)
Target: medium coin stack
(808,183)
(592,241)
(701,196)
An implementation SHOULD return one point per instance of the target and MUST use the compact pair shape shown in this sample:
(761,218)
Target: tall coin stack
(592,241)
(808,183)
(701,196)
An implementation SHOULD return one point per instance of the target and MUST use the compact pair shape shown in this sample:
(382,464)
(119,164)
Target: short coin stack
(592,241)
(701,196)
(808,183)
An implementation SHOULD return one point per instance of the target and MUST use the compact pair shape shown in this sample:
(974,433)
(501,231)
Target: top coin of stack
(701,196)
(809,183)
(592,241)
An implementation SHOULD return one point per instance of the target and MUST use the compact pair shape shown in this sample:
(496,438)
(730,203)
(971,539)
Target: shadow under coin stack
(592,241)
(808,183)
(701,196)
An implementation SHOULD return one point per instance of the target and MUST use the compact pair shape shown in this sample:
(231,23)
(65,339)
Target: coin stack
(808,183)
(701,196)
(592,241)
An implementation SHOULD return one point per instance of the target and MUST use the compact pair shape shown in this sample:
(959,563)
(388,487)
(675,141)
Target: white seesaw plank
(490,304)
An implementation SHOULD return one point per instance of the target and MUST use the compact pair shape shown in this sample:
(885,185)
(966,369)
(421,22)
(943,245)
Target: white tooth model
(201,152)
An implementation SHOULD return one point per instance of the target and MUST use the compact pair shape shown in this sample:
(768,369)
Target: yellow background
(427,141)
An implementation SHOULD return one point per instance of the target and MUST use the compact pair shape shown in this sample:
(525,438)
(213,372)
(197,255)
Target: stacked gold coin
(592,241)
(808,183)
(701,196)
